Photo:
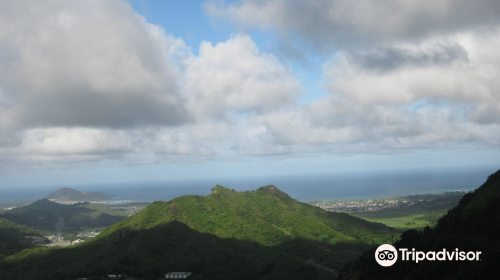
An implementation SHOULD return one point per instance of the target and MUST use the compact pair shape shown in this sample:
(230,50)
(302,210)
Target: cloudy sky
(115,90)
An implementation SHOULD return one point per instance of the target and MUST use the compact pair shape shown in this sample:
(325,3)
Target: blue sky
(154,90)
(184,19)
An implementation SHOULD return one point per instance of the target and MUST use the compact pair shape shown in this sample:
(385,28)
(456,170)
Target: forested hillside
(473,225)
(43,214)
(15,238)
(267,216)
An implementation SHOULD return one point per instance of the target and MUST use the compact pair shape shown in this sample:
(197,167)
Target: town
(374,204)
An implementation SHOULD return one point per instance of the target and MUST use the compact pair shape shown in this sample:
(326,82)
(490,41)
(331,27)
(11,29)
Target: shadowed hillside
(43,214)
(167,247)
(15,238)
(473,225)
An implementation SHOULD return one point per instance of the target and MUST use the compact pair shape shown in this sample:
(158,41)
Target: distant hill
(473,225)
(43,214)
(15,238)
(68,194)
(261,234)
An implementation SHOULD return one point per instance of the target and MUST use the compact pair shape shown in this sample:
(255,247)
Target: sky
(135,90)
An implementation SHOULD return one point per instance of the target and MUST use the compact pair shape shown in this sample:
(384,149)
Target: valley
(407,212)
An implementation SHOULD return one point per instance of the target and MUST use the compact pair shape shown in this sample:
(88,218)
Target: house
(177,275)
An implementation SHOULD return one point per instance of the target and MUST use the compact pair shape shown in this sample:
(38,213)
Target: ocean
(303,187)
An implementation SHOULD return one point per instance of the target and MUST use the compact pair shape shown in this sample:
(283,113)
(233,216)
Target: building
(177,275)
(77,241)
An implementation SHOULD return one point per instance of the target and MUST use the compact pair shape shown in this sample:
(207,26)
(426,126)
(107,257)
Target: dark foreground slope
(263,234)
(473,225)
(167,247)
(43,214)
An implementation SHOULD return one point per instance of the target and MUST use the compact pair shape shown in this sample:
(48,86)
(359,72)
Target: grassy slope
(418,215)
(473,225)
(267,216)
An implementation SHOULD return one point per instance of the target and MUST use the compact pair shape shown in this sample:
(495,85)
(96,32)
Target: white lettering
(443,254)
(403,255)
(420,256)
(450,256)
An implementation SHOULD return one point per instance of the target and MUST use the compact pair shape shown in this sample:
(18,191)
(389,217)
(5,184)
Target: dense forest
(473,225)
(267,216)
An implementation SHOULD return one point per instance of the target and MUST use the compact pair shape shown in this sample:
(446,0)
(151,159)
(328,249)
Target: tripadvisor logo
(387,255)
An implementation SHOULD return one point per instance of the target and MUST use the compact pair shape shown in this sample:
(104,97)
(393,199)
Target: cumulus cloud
(328,24)
(438,94)
(84,63)
(88,82)
(235,76)
(402,74)
(93,81)
(468,79)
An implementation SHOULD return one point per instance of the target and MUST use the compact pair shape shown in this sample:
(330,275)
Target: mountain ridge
(266,215)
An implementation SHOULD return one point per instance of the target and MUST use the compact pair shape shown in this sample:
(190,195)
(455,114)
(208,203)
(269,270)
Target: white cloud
(327,24)
(469,81)
(235,76)
(84,63)
(91,82)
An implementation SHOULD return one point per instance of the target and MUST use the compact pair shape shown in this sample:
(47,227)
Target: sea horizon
(303,187)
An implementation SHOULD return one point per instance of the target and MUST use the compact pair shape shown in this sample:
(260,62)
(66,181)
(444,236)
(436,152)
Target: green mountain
(68,194)
(43,214)
(267,216)
(473,225)
(15,238)
(262,234)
